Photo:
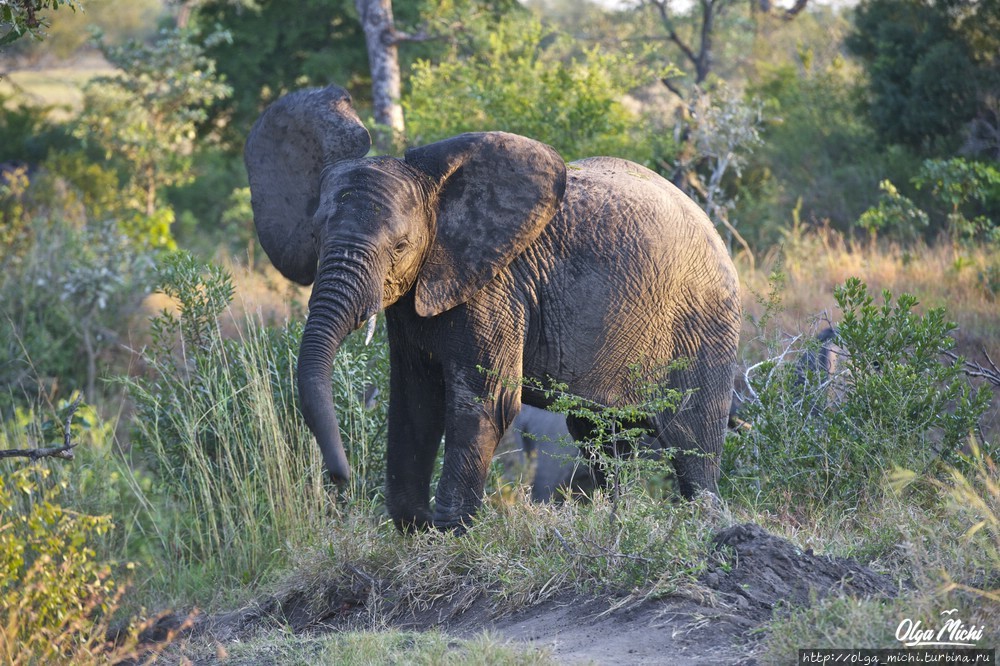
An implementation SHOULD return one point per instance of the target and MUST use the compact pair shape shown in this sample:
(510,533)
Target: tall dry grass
(815,261)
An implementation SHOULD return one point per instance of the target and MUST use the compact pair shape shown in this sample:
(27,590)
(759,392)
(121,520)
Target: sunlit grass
(60,88)
(938,275)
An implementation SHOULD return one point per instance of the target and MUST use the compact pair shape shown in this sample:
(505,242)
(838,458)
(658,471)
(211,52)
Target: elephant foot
(457,525)
(411,524)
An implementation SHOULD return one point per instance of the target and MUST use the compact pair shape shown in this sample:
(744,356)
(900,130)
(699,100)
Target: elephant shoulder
(601,177)
(622,175)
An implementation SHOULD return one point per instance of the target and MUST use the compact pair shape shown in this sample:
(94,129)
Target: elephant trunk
(344,297)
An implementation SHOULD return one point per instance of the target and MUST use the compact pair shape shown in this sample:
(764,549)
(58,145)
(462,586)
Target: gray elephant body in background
(494,261)
(558,465)
(554,457)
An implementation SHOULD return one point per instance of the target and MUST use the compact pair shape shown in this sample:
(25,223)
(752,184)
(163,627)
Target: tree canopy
(933,68)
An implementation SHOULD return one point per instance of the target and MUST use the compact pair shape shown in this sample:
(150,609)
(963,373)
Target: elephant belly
(622,284)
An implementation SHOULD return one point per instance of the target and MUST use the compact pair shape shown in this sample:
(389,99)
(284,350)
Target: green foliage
(930,68)
(522,79)
(27,135)
(53,585)
(815,151)
(613,443)
(51,580)
(205,214)
(894,214)
(67,33)
(273,50)
(59,576)
(20,18)
(65,284)
(240,476)
(892,401)
(146,118)
(964,188)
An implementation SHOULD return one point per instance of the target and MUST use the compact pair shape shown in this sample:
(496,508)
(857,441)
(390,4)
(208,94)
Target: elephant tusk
(370,333)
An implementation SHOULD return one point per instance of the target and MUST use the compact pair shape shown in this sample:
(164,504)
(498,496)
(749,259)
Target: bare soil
(751,575)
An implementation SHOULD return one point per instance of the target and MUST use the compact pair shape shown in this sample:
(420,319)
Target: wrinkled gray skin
(487,251)
(559,465)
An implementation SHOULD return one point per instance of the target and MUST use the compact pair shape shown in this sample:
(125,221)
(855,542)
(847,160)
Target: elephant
(816,368)
(556,463)
(494,261)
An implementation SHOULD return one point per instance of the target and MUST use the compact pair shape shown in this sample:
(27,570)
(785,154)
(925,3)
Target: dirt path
(750,574)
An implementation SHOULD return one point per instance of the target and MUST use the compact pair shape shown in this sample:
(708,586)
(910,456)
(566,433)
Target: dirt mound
(758,572)
(750,575)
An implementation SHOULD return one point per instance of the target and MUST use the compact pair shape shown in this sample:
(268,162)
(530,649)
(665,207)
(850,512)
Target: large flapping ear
(286,151)
(496,193)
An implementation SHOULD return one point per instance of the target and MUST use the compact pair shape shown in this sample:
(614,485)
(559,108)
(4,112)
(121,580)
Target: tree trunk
(383,61)
(150,189)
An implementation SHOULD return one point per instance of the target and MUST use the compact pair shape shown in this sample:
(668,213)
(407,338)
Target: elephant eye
(401,245)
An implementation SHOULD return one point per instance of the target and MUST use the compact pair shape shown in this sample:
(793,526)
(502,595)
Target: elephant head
(442,222)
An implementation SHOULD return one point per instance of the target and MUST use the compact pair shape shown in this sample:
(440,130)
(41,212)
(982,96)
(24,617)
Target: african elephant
(815,366)
(493,260)
(556,462)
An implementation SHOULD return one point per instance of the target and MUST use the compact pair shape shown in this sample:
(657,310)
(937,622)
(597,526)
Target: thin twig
(65,451)
(991,374)
(605,554)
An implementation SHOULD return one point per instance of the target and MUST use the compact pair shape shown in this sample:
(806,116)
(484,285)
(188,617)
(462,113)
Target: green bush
(894,214)
(519,78)
(51,580)
(894,401)
(58,588)
(968,192)
(67,282)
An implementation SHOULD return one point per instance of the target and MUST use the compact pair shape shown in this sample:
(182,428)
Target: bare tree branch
(65,451)
(668,24)
(971,369)
(421,35)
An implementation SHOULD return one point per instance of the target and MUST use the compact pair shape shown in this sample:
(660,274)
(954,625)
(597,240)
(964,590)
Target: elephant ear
(496,193)
(285,154)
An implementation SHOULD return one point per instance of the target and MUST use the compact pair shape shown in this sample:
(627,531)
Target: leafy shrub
(145,119)
(893,402)
(66,282)
(814,156)
(57,586)
(519,79)
(894,214)
(968,191)
(51,582)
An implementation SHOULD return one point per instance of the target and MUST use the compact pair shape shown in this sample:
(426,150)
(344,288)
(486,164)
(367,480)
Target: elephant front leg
(416,424)
(473,431)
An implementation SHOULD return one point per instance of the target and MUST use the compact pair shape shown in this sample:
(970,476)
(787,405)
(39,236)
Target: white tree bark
(383,61)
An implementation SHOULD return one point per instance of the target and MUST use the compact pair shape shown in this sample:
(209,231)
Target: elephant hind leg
(697,431)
